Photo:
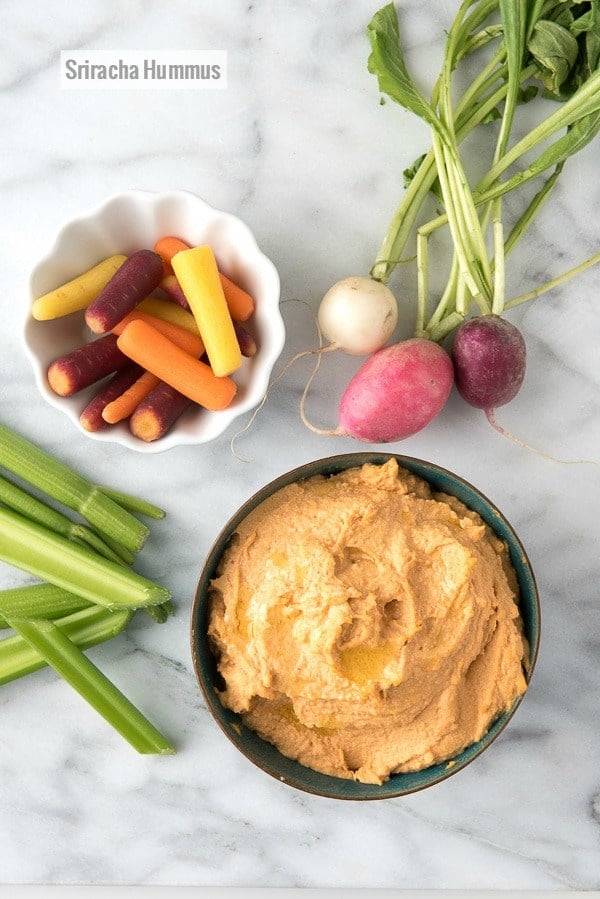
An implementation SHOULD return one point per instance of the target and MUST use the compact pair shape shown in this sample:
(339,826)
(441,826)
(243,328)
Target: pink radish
(395,393)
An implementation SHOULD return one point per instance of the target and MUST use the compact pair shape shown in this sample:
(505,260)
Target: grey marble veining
(300,148)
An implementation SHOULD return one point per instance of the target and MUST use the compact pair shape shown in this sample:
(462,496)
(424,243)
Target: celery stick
(134,503)
(56,479)
(38,601)
(76,568)
(75,667)
(85,628)
(28,505)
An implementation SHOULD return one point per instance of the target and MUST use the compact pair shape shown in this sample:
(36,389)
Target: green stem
(134,503)
(28,505)
(38,601)
(85,628)
(70,663)
(76,568)
(555,282)
(57,480)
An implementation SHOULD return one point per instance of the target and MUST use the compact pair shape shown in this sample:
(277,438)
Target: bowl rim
(119,434)
(330,465)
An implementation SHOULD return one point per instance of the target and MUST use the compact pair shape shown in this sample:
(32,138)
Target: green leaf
(410,172)
(387,63)
(555,50)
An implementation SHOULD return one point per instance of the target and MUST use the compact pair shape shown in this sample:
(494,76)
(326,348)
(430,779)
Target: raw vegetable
(78,293)
(48,474)
(557,42)
(85,365)
(489,356)
(91,416)
(166,247)
(78,569)
(396,392)
(169,312)
(239,302)
(183,337)
(137,278)
(87,598)
(157,414)
(85,628)
(38,601)
(159,355)
(197,272)
(358,315)
(57,650)
(19,500)
(170,285)
(123,406)
(245,339)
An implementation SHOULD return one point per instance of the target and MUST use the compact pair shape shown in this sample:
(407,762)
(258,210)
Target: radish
(396,392)
(358,315)
(489,358)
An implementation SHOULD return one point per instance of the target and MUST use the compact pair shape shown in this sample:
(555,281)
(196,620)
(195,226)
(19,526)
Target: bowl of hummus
(365,626)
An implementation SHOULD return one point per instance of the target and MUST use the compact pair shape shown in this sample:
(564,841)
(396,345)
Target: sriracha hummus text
(365,625)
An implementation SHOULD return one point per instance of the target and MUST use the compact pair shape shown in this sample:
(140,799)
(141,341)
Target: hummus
(366,625)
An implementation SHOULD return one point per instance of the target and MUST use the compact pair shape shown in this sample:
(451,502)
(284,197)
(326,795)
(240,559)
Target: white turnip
(358,315)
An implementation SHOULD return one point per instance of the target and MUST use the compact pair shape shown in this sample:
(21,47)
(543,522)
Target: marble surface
(299,147)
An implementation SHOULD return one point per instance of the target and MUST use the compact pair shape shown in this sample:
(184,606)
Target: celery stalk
(69,661)
(76,568)
(134,503)
(85,628)
(38,601)
(36,510)
(56,479)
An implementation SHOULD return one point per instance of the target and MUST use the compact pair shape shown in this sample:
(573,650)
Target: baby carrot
(197,272)
(123,406)
(173,290)
(158,412)
(166,247)
(85,365)
(185,340)
(169,312)
(156,353)
(78,293)
(240,303)
(91,416)
(136,278)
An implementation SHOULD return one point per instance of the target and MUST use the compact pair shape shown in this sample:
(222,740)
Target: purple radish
(396,392)
(489,357)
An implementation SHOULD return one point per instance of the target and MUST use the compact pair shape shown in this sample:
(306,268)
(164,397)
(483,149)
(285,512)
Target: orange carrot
(184,339)
(197,272)
(166,247)
(156,353)
(241,304)
(91,416)
(125,404)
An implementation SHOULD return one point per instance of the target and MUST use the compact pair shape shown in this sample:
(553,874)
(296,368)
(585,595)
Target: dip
(366,625)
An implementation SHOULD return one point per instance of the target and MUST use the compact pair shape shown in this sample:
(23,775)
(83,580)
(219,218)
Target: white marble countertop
(299,147)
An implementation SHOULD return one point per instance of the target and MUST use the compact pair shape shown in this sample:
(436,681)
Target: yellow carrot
(156,353)
(169,312)
(125,404)
(185,340)
(78,293)
(198,275)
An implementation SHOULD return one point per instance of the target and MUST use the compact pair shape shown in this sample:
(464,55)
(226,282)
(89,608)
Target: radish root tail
(498,427)
(318,352)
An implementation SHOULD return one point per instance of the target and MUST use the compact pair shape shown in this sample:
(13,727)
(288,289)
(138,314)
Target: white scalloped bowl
(131,221)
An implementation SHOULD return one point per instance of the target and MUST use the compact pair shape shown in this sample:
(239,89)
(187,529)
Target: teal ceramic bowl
(266,756)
